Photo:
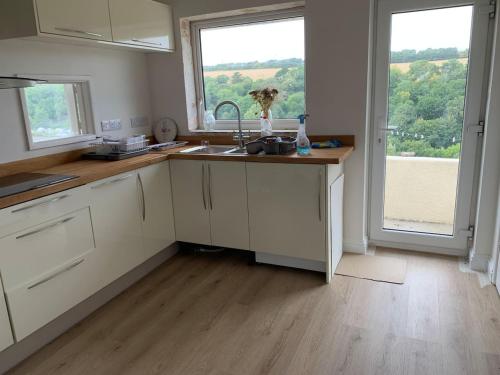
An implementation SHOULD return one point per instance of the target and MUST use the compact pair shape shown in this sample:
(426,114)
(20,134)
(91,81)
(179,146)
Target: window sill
(232,131)
(62,142)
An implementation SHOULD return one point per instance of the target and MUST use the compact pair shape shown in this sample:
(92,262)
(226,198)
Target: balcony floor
(414,226)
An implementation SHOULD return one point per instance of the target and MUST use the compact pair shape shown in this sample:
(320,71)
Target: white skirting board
(479,262)
(358,247)
(23,349)
(280,260)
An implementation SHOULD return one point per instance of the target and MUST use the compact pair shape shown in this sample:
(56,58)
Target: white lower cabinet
(157,211)
(117,222)
(286,210)
(210,203)
(44,298)
(190,197)
(336,216)
(46,270)
(58,250)
(227,187)
(6,338)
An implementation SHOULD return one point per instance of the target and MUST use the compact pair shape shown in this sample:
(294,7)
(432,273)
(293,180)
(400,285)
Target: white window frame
(84,112)
(278,124)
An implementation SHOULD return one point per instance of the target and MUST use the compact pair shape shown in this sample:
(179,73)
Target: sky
(438,28)
(284,39)
(259,42)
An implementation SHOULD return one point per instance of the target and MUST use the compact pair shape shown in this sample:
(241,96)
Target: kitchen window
(57,112)
(235,55)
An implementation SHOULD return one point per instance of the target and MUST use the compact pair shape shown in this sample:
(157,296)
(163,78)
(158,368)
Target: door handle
(43,229)
(112,181)
(54,275)
(53,200)
(210,186)
(319,195)
(203,185)
(146,42)
(143,197)
(76,31)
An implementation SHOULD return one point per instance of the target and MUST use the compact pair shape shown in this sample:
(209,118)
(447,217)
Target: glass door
(430,61)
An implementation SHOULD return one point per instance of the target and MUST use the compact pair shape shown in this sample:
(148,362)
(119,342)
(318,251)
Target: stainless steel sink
(208,150)
(238,151)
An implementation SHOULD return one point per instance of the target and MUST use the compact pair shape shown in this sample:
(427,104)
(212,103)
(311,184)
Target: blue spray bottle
(303,144)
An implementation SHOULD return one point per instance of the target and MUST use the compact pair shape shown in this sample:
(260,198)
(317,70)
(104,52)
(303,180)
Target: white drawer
(39,301)
(6,338)
(18,217)
(27,254)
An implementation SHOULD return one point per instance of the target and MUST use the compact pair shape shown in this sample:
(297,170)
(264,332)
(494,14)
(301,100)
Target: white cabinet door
(6,338)
(142,22)
(157,211)
(87,19)
(116,219)
(336,222)
(228,204)
(190,198)
(286,212)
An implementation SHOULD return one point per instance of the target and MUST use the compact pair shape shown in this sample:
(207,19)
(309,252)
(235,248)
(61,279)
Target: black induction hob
(18,183)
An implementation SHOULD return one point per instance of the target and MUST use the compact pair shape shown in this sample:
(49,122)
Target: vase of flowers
(265,99)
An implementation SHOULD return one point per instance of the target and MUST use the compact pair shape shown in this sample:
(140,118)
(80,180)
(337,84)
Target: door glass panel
(428,78)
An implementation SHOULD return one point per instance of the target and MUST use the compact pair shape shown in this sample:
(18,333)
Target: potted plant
(265,99)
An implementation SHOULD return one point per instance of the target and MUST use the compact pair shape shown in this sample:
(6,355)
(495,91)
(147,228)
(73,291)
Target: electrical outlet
(109,125)
(115,124)
(139,122)
(105,126)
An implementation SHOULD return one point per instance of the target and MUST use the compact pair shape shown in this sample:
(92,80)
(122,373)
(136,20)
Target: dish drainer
(118,149)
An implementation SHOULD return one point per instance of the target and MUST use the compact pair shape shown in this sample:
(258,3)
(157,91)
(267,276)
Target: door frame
(456,244)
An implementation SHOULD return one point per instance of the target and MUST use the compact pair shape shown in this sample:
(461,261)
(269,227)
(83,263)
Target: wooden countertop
(86,170)
(318,156)
(93,170)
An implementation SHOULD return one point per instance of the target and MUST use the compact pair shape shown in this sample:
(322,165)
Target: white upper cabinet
(144,25)
(286,210)
(142,22)
(84,19)
(156,208)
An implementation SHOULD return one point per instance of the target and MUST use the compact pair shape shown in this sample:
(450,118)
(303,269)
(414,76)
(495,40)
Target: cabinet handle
(203,185)
(43,229)
(210,186)
(143,198)
(76,31)
(54,275)
(319,194)
(40,203)
(112,181)
(146,42)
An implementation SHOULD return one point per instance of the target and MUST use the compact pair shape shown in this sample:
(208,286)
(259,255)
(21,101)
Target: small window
(236,55)
(57,113)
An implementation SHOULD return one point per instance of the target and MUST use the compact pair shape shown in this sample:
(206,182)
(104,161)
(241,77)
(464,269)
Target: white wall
(337,65)
(120,87)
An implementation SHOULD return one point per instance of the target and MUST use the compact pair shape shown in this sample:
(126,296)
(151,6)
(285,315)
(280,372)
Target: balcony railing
(420,193)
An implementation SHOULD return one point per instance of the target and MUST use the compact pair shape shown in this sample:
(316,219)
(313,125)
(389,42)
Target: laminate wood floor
(216,314)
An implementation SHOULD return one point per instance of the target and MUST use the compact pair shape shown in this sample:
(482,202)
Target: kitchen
(69,248)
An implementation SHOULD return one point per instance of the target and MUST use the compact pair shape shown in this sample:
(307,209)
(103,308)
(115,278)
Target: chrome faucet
(240,137)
